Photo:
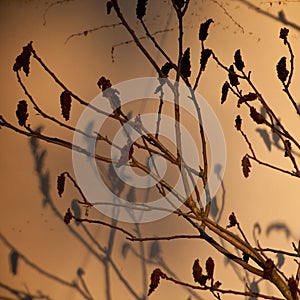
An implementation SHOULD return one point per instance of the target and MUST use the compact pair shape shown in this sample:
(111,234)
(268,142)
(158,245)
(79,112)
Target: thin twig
(222,291)
(292,63)
(278,251)
(228,15)
(133,41)
(163,238)
(135,38)
(151,37)
(86,32)
(52,140)
(77,187)
(255,158)
(287,91)
(85,220)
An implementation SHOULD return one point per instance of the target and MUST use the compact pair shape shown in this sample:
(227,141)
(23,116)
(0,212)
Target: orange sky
(34,226)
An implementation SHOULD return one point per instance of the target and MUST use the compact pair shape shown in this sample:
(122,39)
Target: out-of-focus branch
(86,32)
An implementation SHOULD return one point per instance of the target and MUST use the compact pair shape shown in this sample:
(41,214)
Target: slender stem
(255,158)
(189,202)
(278,251)
(85,220)
(160,49)
(163,238)
(222,291)
(234,240)
(135,38)
(287,91)
(52,140)
(86,32)
(77,187)
(200,70)
(292,63)
(273,167)
(204,153)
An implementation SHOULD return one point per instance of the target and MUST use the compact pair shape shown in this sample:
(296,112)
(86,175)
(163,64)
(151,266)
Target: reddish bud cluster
(246,166)
(179,3)
(225,89)
(110,93)
(197,272)
(65,103)
(155,279)
(282,72)
(284,34)
(246,257)
(205,54)
(216,285)
(203,31)
(61,184)
(238,60)
(198,276)
(21,112)
(256,116)
(249,97)
(141,9)
(268,269)
(233,78)
(103,83)
(68,216)
(23,60)
(238,122)
(185,66)
(109,6)
(210,267)
(232,220)
(166,68)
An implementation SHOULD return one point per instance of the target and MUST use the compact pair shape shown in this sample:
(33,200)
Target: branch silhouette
(249,261)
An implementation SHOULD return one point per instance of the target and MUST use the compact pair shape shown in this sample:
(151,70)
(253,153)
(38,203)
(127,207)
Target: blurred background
(43,257)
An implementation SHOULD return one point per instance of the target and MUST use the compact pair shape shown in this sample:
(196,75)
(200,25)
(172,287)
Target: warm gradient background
(31,212)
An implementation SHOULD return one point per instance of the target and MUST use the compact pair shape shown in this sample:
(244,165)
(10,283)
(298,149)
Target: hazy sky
(31,214)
